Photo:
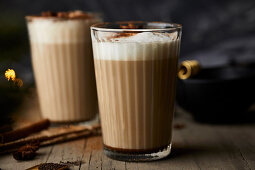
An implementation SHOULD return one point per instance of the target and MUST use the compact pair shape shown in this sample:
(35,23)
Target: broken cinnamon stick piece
(26,152)
(24,131)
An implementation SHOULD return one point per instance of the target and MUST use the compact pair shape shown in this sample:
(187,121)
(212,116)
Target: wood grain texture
(7,162)
(195,147)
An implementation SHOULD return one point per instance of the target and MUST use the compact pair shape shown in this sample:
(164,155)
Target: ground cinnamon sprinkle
(52,166)
(127,26)
(67,15)
(75,163)
(131,26)
(48,14)
(119,35)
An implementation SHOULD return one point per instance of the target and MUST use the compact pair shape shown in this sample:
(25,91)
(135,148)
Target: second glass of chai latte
(135,66)
(63,64)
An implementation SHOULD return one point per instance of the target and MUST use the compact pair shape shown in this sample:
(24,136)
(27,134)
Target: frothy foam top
(64,31)
(144,37)
(140,46)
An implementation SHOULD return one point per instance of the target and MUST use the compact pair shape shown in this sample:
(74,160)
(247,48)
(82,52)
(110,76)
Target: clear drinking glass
(135,66)
(63,65)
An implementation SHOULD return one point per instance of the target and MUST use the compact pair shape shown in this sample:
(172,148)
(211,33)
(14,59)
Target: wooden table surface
(196,146)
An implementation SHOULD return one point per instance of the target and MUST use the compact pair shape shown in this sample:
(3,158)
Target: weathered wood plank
(197,146)
(178,158)
(240,142)
(247,150)
(71,151)
(131,166)
(175,161)
(111,164)
(94,157)
(7,162)
(209,149)
(92,153)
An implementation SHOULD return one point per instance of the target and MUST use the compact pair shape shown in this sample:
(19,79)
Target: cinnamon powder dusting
(63,15)
(119,35)
(131,26)
(127,26)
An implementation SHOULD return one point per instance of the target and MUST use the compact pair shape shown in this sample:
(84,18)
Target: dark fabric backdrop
(213,31)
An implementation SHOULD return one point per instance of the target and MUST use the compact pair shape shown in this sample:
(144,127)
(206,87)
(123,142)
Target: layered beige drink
(135,74)
(63,65)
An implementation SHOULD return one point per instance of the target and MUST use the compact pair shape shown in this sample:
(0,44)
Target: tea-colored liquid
(136,101)
(65,80)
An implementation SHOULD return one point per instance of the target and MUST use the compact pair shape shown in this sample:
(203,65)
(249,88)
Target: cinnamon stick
(52,136)
(24,131)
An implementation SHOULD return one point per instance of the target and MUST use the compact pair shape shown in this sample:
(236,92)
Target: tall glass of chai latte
(63,64)
(135,66)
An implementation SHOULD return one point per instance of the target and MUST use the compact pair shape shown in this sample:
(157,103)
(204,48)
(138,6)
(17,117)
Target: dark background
(213,29)
(214,32)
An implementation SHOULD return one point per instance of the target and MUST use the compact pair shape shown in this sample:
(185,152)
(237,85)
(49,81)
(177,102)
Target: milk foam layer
(141,46)
(53,31)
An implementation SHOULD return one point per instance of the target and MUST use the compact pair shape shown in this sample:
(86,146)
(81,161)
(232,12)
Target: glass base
(136,157)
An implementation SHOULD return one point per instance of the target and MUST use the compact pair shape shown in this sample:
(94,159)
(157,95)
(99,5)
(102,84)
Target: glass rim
(102,26)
